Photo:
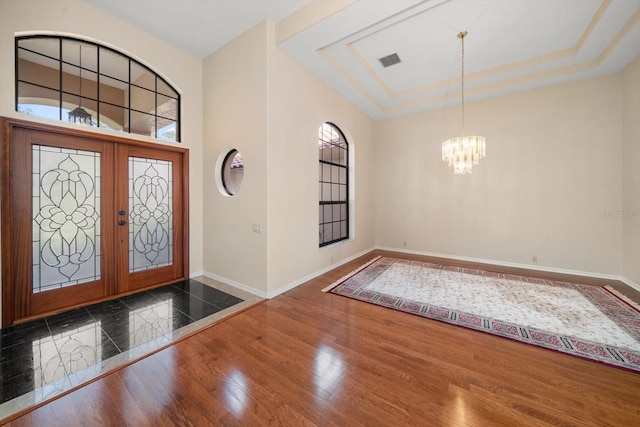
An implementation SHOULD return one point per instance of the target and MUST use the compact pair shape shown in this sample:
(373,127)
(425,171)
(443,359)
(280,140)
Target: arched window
(334,184)
(74,80)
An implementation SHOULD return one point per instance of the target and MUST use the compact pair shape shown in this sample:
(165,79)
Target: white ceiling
(511,45)
(198,27)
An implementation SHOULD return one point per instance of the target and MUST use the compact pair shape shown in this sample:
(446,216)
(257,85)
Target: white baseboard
(517,265)
(235,284)
(308,277)
(196,274)
(315,274)
(288,286)
(631,283)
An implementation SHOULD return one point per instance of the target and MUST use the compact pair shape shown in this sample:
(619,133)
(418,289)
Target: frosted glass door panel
(150,214)
(66,217)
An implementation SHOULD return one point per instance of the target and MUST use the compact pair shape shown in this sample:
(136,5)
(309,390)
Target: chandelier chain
(79,114)
(80,103)
(462,35)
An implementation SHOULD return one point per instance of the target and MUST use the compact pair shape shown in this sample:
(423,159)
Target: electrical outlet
(534,258)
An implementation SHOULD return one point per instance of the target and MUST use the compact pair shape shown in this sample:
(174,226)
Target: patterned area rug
(592,322)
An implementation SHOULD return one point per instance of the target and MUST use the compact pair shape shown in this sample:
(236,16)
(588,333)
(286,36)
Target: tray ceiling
(511,46)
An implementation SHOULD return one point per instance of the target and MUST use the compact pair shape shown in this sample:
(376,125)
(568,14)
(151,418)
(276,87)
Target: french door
(85,218)
(149,247)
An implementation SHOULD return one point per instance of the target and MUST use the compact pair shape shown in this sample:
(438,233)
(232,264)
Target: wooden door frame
(9,219)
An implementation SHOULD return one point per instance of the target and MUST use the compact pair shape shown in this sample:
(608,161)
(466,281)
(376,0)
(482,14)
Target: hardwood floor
(310,358)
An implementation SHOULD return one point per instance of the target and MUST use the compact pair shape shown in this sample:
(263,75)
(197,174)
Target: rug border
(351,274)
(625,299)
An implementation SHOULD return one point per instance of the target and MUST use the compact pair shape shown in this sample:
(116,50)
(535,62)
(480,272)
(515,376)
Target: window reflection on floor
(47,364)
(151,322)
(235,392)
(66,353)
(329,371)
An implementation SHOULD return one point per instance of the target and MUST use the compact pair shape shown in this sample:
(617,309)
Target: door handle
(121,222)
(122,212)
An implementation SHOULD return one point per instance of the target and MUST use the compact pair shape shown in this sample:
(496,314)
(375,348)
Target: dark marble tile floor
(42,351)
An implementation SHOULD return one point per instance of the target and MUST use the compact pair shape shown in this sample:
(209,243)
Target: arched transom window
(68,79)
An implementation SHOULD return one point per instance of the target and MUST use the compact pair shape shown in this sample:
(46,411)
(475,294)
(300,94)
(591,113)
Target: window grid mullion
(60,78)
(169,94)
(334,185)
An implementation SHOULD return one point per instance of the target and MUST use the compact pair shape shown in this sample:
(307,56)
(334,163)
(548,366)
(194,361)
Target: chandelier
(463,151)
(79,114)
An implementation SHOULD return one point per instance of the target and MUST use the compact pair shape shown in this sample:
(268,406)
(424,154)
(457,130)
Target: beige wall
(235,92)
(261,102)
(77,18)
(631,171)
(552,172)
(298,103)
